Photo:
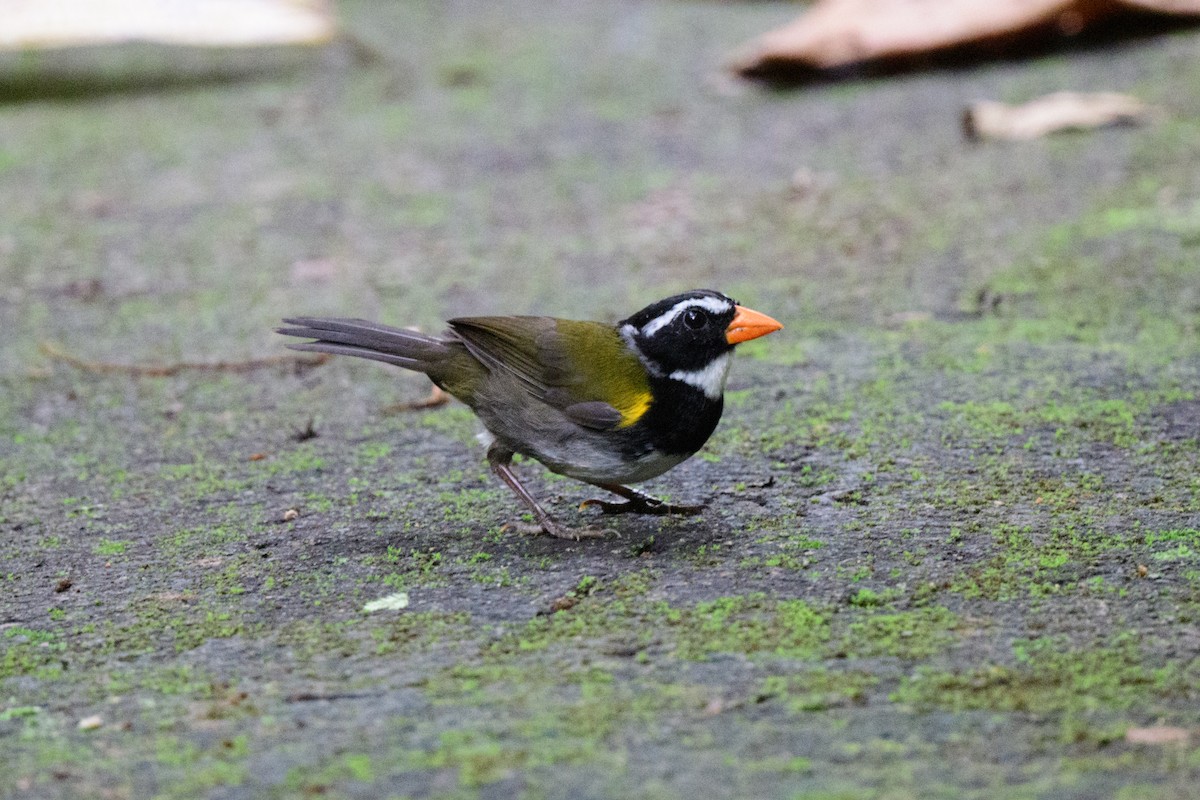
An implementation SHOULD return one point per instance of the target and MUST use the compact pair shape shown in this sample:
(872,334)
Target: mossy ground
(953,546)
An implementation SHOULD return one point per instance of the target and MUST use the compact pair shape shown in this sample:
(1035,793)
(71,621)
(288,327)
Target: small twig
(437,397)
(309,431)
(55,352)
(312,697)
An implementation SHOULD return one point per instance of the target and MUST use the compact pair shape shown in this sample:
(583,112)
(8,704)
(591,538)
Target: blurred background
(953,542)
(438,159)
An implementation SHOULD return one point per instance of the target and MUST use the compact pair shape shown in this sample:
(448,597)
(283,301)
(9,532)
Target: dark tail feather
(363,339)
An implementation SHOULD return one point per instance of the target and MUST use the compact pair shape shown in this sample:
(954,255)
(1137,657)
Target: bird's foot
(641,505)
(552,528)
(500,459)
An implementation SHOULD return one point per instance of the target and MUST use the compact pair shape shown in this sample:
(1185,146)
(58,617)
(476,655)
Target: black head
(686,332)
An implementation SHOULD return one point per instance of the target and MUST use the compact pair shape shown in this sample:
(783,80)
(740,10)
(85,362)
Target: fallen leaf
(563,603)
(392,602)
(33,24)
(1157,734)
(90,723)
(1060,111)
(835,35)
(437,397)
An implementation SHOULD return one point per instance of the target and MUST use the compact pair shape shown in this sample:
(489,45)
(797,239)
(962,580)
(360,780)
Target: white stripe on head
(629,334)
(716,305)
(709,379)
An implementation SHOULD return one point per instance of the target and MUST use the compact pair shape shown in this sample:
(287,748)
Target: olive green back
(562,362)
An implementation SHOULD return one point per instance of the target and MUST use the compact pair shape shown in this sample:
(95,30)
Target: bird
(605,404)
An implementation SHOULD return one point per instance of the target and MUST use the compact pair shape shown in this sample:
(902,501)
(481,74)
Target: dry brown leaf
(837,34)
(437,397)
(1157,734)
(1060,111)
(35,24)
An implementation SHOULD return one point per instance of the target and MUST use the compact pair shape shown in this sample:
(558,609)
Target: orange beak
(749,324)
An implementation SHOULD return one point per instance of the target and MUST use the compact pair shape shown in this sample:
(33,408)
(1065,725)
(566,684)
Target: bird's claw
(555,530)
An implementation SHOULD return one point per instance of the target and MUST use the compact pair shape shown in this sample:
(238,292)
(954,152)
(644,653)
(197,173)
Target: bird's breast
(680,419)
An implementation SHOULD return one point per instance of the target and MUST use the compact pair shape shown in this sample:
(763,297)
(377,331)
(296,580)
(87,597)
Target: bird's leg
(637,503)
(500,460)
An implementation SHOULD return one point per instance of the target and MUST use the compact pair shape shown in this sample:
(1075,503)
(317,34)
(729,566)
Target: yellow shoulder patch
(634,408)
(606,369)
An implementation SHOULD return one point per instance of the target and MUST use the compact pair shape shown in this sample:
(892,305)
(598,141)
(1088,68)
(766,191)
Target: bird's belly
(563,446)
(609,467)
(591,458)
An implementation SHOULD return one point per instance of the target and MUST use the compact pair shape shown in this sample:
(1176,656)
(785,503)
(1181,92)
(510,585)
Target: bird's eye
(695,318)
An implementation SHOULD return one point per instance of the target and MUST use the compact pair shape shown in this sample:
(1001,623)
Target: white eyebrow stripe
(714,304)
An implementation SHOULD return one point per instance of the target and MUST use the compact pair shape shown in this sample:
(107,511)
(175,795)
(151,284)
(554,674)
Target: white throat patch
(714,304)
(710,379)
